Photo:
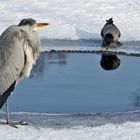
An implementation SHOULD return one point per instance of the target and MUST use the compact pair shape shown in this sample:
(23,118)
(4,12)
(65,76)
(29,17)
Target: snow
(126,131)
(74,19)
(102,126)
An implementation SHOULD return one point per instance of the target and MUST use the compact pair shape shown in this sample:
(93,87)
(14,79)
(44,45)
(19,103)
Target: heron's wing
(11,57)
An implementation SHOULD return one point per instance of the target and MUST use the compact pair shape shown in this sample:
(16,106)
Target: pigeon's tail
(109,21)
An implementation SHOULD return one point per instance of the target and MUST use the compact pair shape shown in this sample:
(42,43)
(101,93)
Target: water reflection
(136,100)
(76,83)
(38,69)
(48,59)
(59,58)
(109,62)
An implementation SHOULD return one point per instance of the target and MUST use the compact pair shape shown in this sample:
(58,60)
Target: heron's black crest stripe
(28,21)
(6,94)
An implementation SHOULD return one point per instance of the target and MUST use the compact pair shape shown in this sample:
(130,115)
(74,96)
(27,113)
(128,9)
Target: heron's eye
(34,29)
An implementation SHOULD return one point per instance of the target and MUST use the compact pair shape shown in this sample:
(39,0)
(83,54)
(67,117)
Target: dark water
(76,83)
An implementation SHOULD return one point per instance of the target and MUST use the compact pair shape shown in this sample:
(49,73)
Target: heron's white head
(32,23)
(32,42)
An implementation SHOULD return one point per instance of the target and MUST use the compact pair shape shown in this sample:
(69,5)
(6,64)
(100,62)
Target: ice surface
(130,48)
(74,19)
(119,51)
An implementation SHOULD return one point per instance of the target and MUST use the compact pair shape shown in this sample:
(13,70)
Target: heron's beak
(40,25)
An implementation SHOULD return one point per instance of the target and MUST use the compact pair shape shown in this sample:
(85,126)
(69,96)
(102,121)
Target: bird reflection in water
(109,62)
(46,60)
(57,58)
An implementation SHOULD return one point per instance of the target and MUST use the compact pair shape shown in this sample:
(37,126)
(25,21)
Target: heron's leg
(8,115)
(12,123)
(7,112)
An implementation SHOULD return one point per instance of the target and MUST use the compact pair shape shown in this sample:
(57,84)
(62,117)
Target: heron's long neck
(32,40)
(31,50)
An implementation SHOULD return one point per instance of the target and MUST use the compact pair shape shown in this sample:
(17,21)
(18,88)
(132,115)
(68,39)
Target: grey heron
(19,49)
(110,34)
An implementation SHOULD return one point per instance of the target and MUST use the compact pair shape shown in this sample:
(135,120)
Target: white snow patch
(74,19)
(102,126)
(125,131)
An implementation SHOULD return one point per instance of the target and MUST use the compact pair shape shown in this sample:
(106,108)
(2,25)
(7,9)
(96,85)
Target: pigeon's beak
(40,25)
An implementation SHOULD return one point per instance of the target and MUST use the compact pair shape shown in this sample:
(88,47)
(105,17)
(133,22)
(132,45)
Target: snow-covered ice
(126,131)
(119,51)
(102,126)
(74,19)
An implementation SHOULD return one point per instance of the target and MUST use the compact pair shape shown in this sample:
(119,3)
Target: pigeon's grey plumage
(110,33)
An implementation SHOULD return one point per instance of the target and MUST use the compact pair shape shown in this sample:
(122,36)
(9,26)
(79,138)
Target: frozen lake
(70,96)
(76,83)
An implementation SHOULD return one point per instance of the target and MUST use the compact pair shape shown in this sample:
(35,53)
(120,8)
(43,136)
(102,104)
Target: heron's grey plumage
(110,28)
(11,56)
(19,49)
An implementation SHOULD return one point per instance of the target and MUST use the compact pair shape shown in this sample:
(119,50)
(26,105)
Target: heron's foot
(15,123)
